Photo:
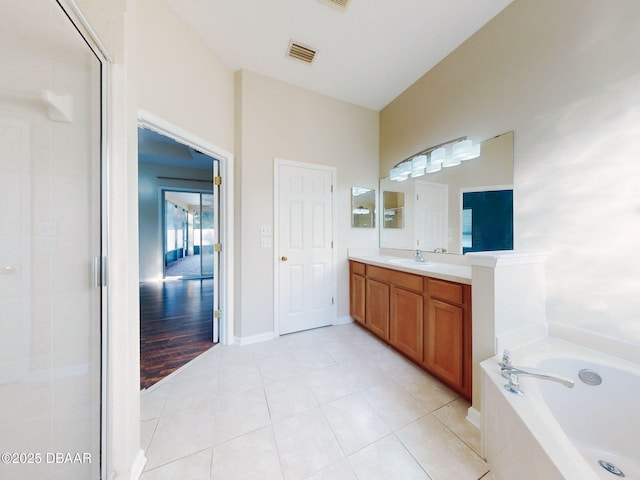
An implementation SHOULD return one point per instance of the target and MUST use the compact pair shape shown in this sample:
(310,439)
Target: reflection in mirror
(487,220)
(363,207)
(433,210)
(393,209)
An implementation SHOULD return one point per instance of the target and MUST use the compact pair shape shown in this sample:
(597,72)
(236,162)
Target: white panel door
(305,260)
(432,216)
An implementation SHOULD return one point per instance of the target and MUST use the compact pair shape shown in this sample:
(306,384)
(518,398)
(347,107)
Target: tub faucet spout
(507,371)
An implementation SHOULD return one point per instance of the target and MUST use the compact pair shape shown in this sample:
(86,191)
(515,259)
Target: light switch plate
(265,242)
(265,230)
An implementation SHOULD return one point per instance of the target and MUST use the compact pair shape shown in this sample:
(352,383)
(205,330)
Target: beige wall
(564,76)
(276,120)
(160,66)
(182,80)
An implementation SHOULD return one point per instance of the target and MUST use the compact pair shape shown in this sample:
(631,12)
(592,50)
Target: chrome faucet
(418,256)
(512,373)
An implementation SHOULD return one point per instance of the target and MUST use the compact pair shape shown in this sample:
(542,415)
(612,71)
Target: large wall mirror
(459,209)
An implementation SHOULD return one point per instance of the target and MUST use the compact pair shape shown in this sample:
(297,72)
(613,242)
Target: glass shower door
(50,231)
(207,234)
(189,234)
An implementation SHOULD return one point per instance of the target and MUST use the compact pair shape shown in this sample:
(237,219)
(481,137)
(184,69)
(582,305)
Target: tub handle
(514,385)
(506,359)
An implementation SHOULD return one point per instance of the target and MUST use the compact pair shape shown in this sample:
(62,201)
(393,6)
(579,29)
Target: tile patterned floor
(333,403)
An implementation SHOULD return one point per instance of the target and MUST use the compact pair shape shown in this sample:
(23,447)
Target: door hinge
(217,181)
(217,314)
(331,188)
(217,247)
(331,243)
(333,300)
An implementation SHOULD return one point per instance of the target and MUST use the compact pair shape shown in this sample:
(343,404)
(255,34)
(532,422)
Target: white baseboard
(138,465)
(473,417)
(262,337)
(343,320)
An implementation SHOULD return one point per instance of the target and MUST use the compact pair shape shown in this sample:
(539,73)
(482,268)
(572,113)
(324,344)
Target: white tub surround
(554,432)
(442,271)
(508,310)
(609,345)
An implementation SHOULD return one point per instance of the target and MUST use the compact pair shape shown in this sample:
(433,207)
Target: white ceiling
(367,55)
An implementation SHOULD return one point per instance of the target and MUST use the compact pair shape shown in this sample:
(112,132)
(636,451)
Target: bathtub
(554,432)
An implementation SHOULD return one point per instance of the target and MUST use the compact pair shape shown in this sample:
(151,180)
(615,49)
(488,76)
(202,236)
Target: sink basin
(410,262)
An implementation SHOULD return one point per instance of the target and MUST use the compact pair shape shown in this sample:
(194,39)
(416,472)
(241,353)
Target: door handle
(283,258)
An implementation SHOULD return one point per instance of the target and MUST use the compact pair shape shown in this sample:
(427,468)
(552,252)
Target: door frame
(277,162)
(226,220)
(101,263)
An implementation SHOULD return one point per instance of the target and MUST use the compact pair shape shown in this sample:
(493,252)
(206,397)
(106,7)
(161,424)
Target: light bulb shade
(394,174)
(401,172)
(418,164)
(433,167)
(405,168)
(438,155)
(475,153)
(451,162)
(461,149)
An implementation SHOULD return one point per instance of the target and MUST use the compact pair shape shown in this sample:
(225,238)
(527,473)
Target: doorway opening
(179,276)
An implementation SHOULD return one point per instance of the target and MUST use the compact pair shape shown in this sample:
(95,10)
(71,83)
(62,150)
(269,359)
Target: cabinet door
(407,320)
(377,318)
(357,298)
(444,342)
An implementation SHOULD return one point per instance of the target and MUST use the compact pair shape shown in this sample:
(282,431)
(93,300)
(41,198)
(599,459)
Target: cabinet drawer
(395,277)
(357,268)
(450,292)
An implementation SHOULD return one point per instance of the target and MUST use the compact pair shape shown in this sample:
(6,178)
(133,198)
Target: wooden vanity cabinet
(404,298)
(377,308)
(357,291)
(427,319)
(447,334)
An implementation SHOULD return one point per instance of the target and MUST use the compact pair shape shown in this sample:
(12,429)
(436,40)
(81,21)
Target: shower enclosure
(51,293)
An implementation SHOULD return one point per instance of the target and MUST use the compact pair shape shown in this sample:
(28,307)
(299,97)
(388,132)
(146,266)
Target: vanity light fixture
(401,172)
(438,156)
(418,165)
(434,167)
(361,210)
(465,150)
(451,161)
(432,159)
(356,191)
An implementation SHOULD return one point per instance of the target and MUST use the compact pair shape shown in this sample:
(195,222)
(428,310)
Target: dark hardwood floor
(176,325)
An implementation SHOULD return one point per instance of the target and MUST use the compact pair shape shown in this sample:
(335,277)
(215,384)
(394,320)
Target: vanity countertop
(443,271)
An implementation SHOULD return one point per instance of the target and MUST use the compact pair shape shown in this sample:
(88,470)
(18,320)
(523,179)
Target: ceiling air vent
(301,52)
(341,4)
